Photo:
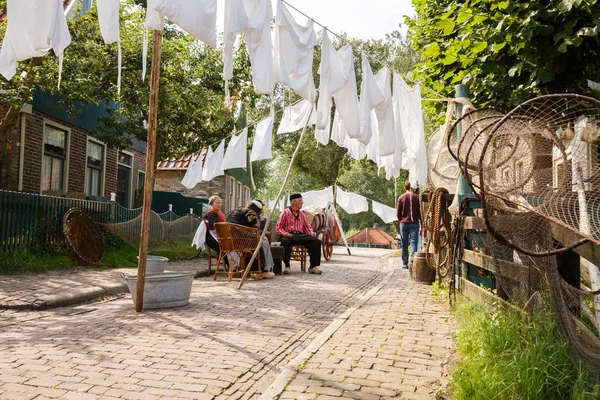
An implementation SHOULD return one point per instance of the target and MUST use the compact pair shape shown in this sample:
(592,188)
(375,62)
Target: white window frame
(65,183)
(130,191)
(103,173)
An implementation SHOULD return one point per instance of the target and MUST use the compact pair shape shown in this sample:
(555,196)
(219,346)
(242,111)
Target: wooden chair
(238,242)
(299,254)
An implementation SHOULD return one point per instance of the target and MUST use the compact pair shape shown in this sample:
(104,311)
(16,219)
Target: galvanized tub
(155,264)
(171,289)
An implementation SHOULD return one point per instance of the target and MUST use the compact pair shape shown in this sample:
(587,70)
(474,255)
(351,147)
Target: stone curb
(76,296)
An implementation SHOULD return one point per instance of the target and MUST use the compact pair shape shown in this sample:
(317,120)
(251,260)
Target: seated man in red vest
(293,227)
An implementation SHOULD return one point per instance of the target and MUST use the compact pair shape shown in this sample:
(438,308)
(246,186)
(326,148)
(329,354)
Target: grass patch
(24,262)
(504,357)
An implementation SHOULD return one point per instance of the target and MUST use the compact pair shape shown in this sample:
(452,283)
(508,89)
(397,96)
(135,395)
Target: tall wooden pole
(150,168)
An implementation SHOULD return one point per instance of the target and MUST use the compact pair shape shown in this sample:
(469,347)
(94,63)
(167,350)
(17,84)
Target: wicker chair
(238,242)
(299,254)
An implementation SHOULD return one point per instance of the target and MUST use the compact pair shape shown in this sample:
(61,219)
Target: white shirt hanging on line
(373,146)
(237,152)
(294,46)
(108,18)
(261,148)
(414,156)
(193,175)
(320,198)
(338,80)
(196,17)
(402,155)
(295,116)
(253,18)
(352,203)
(34,27)
(385,114)
(387,214)
(213,163)
(370,97)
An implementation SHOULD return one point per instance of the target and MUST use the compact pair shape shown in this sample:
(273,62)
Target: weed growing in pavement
(440,290)
(504,357)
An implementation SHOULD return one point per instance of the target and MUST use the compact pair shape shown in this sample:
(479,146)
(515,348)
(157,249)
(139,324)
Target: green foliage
(32,262)
(504,357)
(506,51)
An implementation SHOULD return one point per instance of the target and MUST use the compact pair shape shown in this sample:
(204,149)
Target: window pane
(140,182)
(46,173)
(95,154)
(57,174)
(124,159)
(55,141)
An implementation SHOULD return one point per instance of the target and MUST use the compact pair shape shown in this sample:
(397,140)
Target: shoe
(405,267)
(268,275)
(256,276)
(287,270)
(315,270)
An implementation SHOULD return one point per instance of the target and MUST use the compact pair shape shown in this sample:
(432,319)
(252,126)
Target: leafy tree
(191,111)
(506,51)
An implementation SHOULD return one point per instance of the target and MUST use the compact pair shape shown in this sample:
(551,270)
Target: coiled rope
(438,223)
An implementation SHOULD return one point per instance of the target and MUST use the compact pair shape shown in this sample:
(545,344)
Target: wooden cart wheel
(327,245)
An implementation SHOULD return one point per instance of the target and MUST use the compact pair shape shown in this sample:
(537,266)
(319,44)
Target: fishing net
(536,172)
(165,235)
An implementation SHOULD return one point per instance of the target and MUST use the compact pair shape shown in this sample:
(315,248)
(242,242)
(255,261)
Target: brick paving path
(235,344)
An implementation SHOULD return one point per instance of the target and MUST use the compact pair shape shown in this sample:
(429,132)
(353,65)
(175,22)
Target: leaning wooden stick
(287,175)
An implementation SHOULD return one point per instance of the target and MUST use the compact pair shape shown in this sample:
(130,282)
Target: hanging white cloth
(261,148)
(196,17)
(320,198)
(370,97)
(108,19)
(34,27)
(352,203)
(385,114)
(294,46)
(338,80)
(155,21)
(295,116)
(387,214)
(271,204)
(373,147)
(193,175)
(414,156)
(253,18)
(237,152)
(199,240)
(213,163)
(281,204)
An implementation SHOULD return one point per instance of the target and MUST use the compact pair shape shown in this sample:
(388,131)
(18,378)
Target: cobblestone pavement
(75,285)
(357,341)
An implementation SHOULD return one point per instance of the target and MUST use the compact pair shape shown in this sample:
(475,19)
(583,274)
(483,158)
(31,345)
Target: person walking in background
(408,212)
(293,227)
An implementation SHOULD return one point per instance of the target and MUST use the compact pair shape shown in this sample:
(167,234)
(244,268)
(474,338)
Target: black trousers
(214,244)
(312,244)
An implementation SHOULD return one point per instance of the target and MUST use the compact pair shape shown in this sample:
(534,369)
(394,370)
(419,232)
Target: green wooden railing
(29,220)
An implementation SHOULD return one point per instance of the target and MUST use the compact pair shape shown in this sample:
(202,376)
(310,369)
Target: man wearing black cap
(293,227)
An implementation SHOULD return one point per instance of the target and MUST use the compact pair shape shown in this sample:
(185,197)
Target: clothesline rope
(370,56)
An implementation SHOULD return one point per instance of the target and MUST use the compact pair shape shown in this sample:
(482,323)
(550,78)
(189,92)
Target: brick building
(50,152)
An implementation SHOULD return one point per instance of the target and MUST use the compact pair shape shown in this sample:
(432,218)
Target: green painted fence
(29,220)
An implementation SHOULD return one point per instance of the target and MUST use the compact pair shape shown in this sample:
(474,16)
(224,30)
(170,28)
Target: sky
(364,19)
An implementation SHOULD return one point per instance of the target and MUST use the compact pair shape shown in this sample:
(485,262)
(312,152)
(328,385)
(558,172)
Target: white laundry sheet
(34,27)
(193,175)
(352,203)
(253,18)
(295,116)
(237,153)
(338,80)
(108,18)
(263,137)
(196,17)
(387,214)
(414,155)
(384,113)
(294,46)
(370,97)
(320,198)
(213,163)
